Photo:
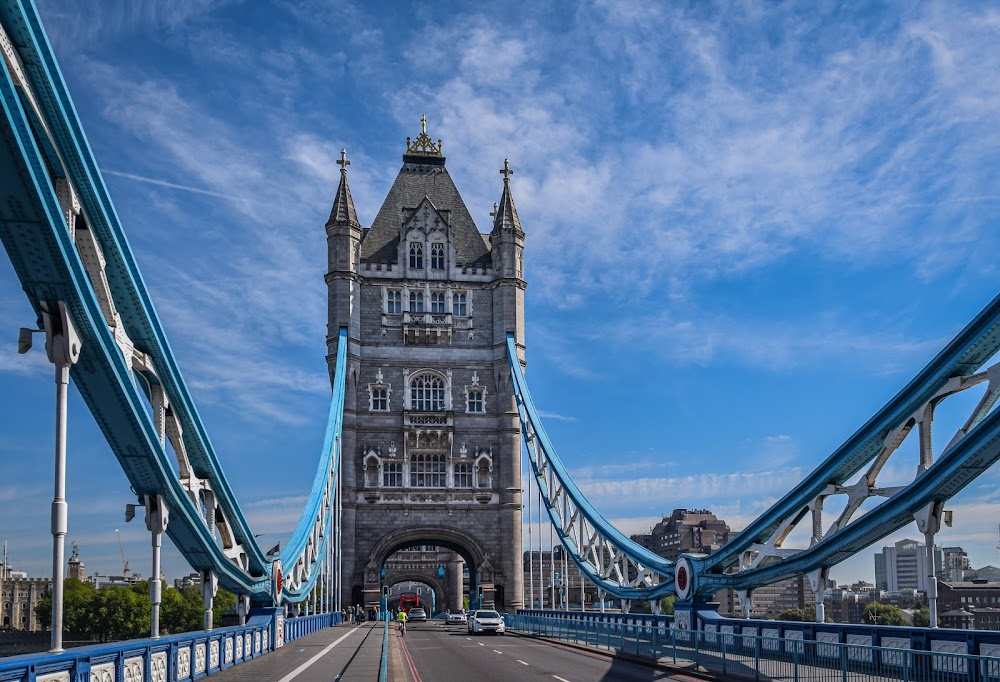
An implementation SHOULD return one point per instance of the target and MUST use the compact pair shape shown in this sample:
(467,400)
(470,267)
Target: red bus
(408,600)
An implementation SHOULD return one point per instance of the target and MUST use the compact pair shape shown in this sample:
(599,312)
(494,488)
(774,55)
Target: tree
(805,615)
(922,617)
(78,597)
(667,605)
(119,613)
(885,614)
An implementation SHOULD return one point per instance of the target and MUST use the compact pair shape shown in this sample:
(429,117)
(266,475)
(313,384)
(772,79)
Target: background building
(904,566)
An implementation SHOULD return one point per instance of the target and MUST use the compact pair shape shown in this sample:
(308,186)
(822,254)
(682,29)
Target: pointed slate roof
(343,212)
(423,175)
(505,214)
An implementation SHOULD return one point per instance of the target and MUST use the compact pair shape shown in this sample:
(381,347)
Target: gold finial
(343,163)
(423,145)
(506,172)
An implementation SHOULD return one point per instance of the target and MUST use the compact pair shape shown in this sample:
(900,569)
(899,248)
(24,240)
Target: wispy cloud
(554,415)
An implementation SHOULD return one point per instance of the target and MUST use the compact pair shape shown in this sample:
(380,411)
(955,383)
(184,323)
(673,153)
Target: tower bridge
(432,437)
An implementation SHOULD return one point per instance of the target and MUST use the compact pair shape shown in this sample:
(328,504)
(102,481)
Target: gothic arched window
(417,255)
(437,256)
(427,393)
(427,471)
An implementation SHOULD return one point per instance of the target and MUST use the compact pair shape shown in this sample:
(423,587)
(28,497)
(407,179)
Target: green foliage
(922,617)
(77,596)
(117,613)
(667,605)
(806,615)
(886,614)
(798,615)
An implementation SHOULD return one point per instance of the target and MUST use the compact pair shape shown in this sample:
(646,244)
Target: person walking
(401,617)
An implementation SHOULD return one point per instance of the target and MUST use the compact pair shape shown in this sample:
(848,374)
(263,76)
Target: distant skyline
(747,227)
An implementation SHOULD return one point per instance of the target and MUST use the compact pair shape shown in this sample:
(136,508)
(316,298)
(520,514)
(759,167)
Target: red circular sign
(682,578)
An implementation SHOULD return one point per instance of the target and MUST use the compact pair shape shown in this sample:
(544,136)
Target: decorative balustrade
(186,656)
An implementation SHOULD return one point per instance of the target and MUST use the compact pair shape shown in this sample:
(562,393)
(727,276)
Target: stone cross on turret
(343,163)
(506,172)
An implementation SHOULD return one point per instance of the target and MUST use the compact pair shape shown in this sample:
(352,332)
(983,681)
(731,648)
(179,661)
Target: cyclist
(401,617)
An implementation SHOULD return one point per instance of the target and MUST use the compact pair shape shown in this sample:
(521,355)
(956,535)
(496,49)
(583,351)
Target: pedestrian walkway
(345,653)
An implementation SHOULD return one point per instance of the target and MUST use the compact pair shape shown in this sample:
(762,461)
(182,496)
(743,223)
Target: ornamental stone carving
(239,646)
(894,658)
(158,667)
(184,663)
(279,632)
(770,639)
(199,658)
(213,654)
(105,672)
(53,677)
(959,663)
(132,669)
(859,648)
(828,650)
(256,642)
(228,652)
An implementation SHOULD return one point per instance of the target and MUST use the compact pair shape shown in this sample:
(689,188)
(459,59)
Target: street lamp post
(62,346)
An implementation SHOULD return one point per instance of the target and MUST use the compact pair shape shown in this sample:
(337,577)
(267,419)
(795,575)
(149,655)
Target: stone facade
(19,595)
(431,438)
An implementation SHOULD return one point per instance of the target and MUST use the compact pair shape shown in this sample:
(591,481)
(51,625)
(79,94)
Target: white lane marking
(497,652)
(561,679)
(295,673)
(521,662)
(481,644)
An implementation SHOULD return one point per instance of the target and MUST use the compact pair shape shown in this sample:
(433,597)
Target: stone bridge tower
(431,444)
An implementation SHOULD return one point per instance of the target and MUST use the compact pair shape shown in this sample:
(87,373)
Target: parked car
(484,620)
(456,618)
(417,613)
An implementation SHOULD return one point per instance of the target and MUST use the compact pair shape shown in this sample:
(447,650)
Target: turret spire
(504,214)
(343,205)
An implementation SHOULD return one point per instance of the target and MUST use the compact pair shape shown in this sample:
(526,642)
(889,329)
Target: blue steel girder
(756,556)
(603,554)
(62,234)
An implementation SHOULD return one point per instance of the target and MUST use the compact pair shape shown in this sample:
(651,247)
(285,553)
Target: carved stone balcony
(427,329)
(428,421)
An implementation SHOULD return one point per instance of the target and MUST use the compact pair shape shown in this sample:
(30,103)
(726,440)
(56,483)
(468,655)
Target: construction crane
(122,550)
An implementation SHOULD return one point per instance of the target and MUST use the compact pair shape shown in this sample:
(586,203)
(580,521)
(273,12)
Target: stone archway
(464,544)
(434,584)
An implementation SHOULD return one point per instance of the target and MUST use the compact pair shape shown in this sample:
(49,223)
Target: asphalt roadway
(434,652)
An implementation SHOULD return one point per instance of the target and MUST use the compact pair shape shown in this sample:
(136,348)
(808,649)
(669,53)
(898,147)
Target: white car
(417,613)
(456,618)
(486,621)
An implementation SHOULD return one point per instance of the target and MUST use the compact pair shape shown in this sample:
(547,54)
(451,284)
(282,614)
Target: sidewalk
(347,653)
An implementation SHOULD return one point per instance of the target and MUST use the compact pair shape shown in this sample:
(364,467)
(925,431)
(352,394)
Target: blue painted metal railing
(307,625)
(186,656)
(762,650)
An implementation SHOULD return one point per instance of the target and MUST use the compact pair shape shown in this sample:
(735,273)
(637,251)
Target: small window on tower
(416,301)
(417,255)
(437,256)
(459,307)
(380,399)
(463,475)
(392,475)
(476,400)
(437,302)
(393,302)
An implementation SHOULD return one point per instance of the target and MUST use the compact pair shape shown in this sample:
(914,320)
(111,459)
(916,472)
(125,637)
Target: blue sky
(748,225)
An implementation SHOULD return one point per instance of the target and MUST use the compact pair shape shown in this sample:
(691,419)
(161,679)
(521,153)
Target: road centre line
(561,679)
(521,662)
(497,652)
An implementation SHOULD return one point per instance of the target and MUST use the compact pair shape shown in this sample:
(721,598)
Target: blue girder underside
(49,267)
